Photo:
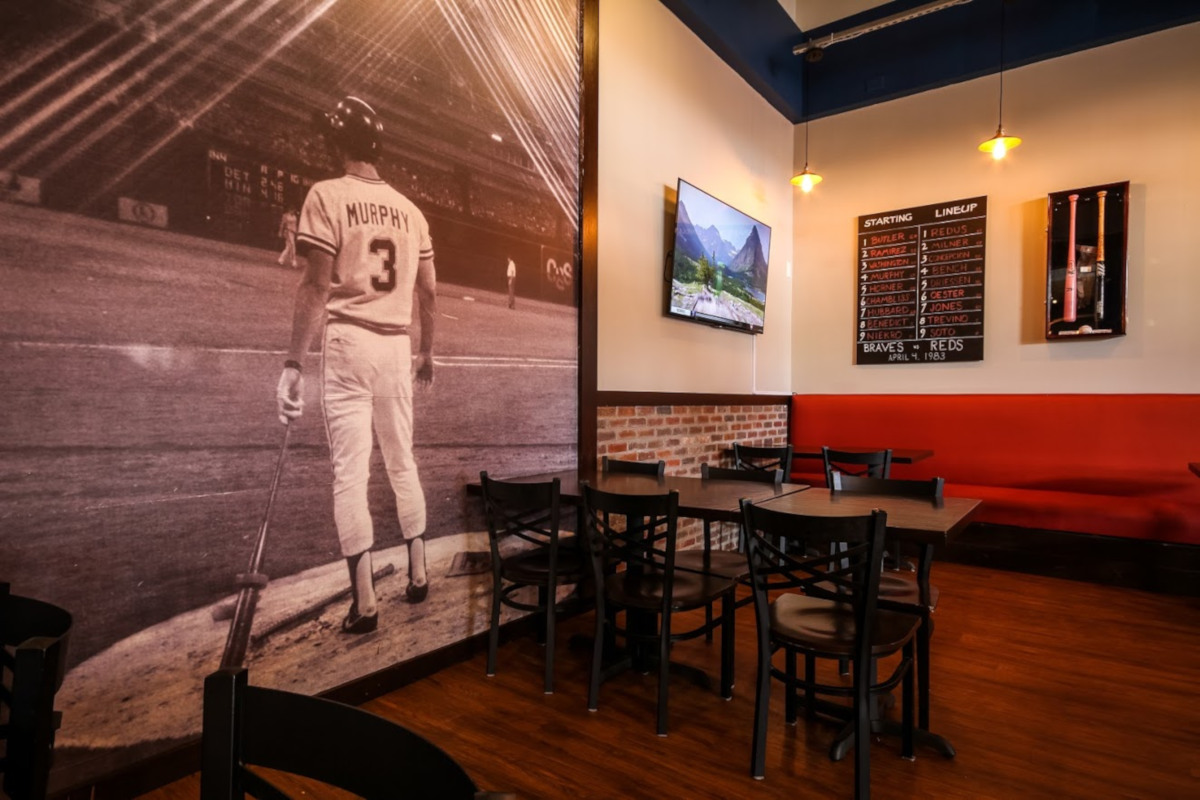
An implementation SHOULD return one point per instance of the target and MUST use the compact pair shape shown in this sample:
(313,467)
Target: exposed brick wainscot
(686,436)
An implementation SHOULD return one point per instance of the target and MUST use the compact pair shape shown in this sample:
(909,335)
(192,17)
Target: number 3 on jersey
(386,249)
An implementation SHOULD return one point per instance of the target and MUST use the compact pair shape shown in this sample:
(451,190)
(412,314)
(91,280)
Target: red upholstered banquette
(1107,464)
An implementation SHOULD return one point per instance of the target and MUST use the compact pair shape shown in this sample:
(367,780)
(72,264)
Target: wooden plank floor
(1048,689)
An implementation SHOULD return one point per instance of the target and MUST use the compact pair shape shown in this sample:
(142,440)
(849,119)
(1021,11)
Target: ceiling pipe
(821,43)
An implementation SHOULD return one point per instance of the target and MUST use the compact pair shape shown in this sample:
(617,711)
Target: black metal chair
(33,652)
(897,584)
(527,551)
(656,468)
(916,594)
(865,464)
(762,459)
(836,617)
(729,564)
(868,464)
(631,540)
(343,746)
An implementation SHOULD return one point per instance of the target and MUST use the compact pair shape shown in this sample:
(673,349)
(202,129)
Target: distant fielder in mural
(288,223)
(364,247)
(511,273)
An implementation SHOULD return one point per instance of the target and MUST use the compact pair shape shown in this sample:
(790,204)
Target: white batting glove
(289,394)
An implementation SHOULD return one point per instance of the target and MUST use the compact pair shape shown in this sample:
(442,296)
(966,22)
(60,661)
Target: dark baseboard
(1163,567)
(166,767)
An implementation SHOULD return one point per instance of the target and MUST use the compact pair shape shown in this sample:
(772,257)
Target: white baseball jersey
(376,237)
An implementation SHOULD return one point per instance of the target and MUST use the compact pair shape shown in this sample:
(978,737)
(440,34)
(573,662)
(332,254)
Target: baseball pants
(367,385)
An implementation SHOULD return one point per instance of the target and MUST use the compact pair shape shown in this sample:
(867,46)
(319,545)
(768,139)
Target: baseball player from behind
(365,247)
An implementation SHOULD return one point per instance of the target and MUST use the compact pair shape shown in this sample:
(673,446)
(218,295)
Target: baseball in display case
(1085,261)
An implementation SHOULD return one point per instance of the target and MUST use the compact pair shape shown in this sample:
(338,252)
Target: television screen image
(718,267)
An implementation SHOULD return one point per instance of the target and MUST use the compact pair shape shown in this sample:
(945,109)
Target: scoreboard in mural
(247,195)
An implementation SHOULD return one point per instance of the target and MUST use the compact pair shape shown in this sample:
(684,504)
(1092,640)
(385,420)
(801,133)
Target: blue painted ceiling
(959,43)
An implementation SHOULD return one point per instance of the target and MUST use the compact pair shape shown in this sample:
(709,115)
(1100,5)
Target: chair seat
(690,590)
(722,563)
(901,587)
(826,627)
(533,566)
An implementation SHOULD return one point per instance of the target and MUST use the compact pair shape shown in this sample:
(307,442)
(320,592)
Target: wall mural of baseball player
(365,247)
(148,151)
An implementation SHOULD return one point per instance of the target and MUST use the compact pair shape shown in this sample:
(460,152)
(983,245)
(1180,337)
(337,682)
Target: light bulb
(999,150)
(806,180)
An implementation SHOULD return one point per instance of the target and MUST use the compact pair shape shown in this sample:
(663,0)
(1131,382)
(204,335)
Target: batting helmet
(355,127)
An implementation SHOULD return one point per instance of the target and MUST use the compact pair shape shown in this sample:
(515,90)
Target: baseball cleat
(357,623)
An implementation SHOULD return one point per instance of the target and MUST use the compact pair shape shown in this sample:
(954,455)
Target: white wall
(670,108)
(1127,111)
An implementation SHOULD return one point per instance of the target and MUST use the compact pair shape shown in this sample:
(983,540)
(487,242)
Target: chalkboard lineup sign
(920,284)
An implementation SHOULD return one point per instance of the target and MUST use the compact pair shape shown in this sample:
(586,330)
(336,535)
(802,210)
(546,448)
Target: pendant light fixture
(999,145)
(806,179)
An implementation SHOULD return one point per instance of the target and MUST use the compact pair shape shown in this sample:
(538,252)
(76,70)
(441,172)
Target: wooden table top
(712,499)
(900,455)
(910,518)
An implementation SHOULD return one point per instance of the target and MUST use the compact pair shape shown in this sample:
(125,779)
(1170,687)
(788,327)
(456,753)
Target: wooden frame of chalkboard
(1086,249)
(920,284)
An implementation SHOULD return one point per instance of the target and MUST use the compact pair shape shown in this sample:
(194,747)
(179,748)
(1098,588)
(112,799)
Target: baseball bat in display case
(1100,195)
(1070,292)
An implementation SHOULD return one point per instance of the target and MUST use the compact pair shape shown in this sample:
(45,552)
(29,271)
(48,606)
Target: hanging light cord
(1000,111)
(807,67)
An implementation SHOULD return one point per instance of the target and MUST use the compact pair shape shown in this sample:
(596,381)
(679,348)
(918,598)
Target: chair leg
(923,671)
(762,702)
(664,671)
(708,609)
(906,739)
(598,644)
(541,599)
(862,730)
(221,747)
(494,632)
(552,596)
(727,645)
(810,679)
(789,689)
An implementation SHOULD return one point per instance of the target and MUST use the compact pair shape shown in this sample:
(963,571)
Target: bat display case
(1085,261)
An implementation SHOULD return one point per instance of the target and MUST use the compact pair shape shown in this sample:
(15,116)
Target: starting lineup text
(920,284)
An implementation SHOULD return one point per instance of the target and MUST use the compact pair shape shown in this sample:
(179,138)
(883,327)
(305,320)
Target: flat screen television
(717,268)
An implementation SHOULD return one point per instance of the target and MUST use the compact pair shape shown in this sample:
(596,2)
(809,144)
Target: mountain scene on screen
(720,264)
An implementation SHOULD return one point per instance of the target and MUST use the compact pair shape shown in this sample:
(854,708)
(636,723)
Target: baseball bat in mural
(253,580)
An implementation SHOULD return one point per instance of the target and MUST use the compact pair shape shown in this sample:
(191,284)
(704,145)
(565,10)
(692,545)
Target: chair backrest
(334,743)
(867,463)
(774,476)
(753,458)
(655,468)
(527,511)
(637,532)
(33,652)
(796,552)
(931,489)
